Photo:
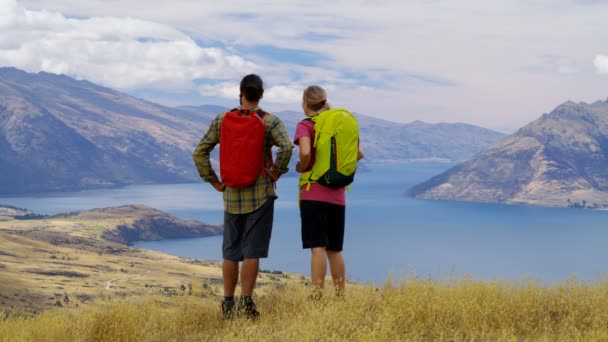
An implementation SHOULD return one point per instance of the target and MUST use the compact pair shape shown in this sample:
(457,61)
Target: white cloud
(123,53)
(284,94)
(499,74)
(601,64)
(278,94)
(226,90)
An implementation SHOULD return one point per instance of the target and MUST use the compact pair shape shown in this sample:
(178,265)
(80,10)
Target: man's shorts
(322,225)
(247,236)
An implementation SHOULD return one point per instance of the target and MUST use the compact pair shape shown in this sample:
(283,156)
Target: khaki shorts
(247,236)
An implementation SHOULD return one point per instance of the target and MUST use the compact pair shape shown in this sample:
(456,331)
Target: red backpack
(242,147)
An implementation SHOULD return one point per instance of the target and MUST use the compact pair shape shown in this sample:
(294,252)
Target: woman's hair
(316,98)
(252,87)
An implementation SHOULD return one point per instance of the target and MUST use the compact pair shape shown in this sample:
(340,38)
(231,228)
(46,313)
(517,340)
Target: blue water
(387,233)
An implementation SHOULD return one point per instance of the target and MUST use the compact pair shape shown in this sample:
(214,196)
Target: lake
(386,233)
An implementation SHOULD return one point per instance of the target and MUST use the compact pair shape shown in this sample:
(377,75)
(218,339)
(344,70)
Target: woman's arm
(360,155)
(304,144)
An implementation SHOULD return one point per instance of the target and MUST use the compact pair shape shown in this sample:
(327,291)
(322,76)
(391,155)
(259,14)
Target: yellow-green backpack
(336,144)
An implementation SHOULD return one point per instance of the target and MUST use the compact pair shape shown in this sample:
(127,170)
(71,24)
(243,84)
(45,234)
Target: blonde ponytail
(316,99)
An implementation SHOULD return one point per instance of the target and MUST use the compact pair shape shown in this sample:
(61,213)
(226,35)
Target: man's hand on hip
(219,186)
(274,174)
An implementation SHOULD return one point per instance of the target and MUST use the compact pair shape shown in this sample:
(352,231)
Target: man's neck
(246,104)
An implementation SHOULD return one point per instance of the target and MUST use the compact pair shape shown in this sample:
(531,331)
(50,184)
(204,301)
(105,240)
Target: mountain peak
(12,72)
(560,159)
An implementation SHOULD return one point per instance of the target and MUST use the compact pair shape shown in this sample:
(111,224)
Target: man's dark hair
(252,87)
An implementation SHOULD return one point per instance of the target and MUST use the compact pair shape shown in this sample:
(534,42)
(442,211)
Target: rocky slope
(561,159)
(58,134)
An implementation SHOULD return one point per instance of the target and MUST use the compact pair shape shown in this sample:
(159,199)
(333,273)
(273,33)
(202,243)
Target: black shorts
(322,225)
(247,236)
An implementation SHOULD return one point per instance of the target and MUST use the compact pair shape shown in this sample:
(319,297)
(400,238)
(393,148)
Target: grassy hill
(83,256)
(124,224)
(415,309)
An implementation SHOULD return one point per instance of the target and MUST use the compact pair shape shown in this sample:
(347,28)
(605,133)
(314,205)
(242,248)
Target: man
(248,211)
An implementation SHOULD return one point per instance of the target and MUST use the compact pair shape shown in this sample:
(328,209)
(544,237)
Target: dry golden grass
(415,309)
(38,268)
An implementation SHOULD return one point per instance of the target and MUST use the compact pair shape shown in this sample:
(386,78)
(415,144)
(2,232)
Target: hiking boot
(247,308)
(227,309)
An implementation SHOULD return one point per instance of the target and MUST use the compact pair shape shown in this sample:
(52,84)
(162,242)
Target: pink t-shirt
(317,192)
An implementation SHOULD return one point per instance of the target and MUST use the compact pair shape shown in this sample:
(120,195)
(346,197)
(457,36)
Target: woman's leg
(338,270)
(318,267)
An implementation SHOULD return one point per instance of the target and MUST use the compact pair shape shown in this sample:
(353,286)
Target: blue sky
(498,64)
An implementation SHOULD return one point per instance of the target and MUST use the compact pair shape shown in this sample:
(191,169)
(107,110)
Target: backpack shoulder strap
(261,113)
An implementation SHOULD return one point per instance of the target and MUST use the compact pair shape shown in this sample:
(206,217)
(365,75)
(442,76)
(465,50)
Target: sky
(497,64)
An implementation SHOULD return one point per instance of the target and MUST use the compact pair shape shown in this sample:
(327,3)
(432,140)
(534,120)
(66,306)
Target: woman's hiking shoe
(247,308)
(227,309)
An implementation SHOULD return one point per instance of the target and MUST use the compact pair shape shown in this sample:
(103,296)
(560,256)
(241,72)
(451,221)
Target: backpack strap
(261,114)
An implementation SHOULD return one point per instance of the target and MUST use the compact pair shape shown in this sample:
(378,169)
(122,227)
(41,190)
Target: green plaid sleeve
(204,147)
(280,138)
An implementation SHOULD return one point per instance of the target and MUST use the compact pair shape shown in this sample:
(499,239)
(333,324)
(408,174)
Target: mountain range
(561,159)
(386,141)
(62,134)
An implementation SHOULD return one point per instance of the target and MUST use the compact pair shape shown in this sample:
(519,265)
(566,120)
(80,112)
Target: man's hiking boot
(247,308)
(227,309)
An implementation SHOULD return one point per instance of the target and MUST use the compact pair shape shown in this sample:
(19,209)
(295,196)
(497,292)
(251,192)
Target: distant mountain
(450,142)
(560,159)
(57,134)
(385,141)
(61,134)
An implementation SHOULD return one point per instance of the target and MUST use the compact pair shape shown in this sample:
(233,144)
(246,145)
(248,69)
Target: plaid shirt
(246,200)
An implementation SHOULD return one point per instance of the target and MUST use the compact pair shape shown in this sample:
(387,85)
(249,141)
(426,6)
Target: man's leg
(249,275)
(255,244)
(231,250)
(318,267)
(230,272)
(338,270)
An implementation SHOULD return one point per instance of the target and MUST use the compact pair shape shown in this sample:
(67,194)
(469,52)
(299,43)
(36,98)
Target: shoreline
(524,205)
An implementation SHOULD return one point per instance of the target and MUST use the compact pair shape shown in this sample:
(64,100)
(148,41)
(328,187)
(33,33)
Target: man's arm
(280,138)
(201,153)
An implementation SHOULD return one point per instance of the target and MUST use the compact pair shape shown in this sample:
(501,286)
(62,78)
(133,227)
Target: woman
(322,209)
